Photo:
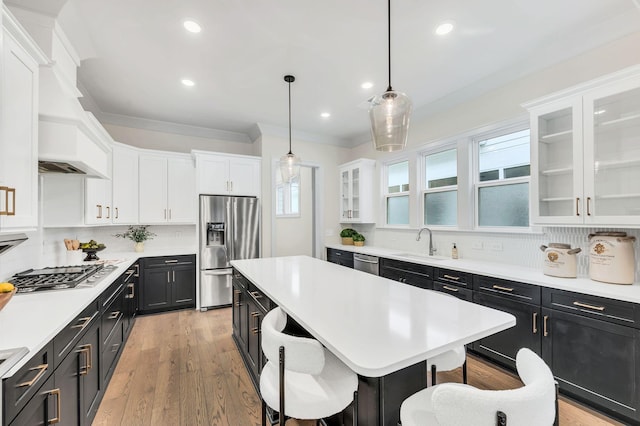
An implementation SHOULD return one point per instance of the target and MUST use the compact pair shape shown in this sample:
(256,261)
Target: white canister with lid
(611,257)
(560,260)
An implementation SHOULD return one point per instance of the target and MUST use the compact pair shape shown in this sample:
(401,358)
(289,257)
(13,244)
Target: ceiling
(135,53)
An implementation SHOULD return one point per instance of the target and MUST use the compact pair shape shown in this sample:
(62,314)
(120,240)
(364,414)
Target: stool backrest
(532,404)
(302,354)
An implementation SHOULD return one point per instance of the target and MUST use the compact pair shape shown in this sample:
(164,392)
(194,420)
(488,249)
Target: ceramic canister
(611,257)
(560,260)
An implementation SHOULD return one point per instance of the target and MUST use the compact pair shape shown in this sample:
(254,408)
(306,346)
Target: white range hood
(70,139)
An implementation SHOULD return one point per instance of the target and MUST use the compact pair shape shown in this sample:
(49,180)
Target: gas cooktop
(56,278)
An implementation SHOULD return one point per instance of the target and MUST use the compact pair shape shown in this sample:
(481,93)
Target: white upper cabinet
(97,208)
(19,128)
(227,174)
(167,189)
(356,191)
(586,155)
(125,185)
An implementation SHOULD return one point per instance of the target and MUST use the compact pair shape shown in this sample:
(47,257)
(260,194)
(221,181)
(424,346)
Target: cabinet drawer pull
(42,369)
(82,322)
(84,369)
(451,277)
(171,261)
(56,419)
(446,287)
(132,289)
(577,206)
(238,304)
(545,330)
(237,291)
(168,276)
(497,287)
(137,274)
(114,315)
(338,254)
(255,314)
(255,294)
(114,347)
(535,323)
(255,330)
(174,276)
(584,305)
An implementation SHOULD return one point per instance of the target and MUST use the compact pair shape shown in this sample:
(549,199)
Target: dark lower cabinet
(340,257)
(595,361)
(131,292)
(167,283)
(42,408)
(407,273)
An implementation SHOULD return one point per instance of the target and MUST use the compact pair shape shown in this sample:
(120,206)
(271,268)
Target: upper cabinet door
(19,139)
(356,191)
(556,155)
(612,153)
(181,194)
(227,174)
(97,210)
(153,189)
(244,176)
(345,194)
(213,175)
(125,186)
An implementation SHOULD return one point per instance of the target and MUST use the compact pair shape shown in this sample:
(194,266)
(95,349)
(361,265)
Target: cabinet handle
(84,369)
(535,323)
(231,186)
(238,304)
(117,213)
(446,287)
(497,287)
(169,214)
(584,305)
(174,276)
(237,291)
(82,322)
(6,211)
(42,369)
(577,206)
(588,206)
(255,294)
(137,274)
(168,277)
(451,277)
(114,315)
(171,261)
(56,419)
(108,212)
(132,294)
(99,215)
(255,330)
(114,347)
(545,330)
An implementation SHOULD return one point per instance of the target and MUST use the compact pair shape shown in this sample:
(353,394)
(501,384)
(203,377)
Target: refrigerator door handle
(227,271)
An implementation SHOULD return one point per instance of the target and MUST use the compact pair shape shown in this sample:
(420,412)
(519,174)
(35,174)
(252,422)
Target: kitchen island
(381,329)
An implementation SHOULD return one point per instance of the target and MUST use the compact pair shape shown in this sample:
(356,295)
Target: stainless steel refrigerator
(229,230)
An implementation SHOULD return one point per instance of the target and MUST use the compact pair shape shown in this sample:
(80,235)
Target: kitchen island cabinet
(340,257)
(167,282)
(407,273)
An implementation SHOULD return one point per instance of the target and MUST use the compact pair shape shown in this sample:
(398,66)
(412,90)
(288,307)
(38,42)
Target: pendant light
(289,163)
(390,113)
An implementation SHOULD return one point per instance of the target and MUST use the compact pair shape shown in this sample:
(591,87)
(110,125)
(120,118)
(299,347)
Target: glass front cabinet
(356,191)
(585,154)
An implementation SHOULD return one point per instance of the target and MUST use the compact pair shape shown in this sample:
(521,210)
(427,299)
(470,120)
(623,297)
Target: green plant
(358,237)
(137,234)
(347,232)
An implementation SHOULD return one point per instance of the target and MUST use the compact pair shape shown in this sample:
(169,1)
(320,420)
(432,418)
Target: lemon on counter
(6,287)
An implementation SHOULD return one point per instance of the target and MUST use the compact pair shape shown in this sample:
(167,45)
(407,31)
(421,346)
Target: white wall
(294,235)
(151,139)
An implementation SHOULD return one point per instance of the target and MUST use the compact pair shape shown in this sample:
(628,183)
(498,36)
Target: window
(397,193)
(502,182)
(440,193)
(287,197)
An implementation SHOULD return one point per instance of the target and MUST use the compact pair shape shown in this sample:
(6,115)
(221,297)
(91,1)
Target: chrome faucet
(431,249)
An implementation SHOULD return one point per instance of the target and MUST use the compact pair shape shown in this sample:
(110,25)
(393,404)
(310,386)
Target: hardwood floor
(182,368)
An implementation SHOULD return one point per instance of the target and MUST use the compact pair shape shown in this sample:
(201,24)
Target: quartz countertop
(374,325)
(585,285)
(31,320)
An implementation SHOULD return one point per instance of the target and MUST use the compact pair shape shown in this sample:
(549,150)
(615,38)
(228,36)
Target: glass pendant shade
(289,167)
(390,113)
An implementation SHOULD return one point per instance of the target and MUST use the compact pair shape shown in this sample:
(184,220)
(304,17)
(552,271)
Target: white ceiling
(135,52)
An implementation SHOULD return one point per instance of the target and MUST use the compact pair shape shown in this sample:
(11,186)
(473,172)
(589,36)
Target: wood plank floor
(182,368)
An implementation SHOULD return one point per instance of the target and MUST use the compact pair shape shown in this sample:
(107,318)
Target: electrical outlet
(477,245)
(496,246)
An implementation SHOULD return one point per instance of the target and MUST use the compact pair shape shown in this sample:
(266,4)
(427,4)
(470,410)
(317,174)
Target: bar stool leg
(464,372)
(433,374)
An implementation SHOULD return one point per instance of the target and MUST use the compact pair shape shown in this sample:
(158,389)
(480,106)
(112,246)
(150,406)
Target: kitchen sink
(420,256)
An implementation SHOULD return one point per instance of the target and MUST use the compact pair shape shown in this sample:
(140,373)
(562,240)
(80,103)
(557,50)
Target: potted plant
(346,235)
(137,234)
(358,239)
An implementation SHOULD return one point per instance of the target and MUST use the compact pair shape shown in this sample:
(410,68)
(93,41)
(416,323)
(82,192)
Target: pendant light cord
(289,117)
(389,35)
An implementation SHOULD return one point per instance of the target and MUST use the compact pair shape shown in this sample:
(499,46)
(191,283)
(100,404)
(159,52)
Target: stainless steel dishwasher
(366,263)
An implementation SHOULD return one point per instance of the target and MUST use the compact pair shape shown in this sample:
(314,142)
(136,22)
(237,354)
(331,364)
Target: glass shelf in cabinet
(557,171)
(563,136)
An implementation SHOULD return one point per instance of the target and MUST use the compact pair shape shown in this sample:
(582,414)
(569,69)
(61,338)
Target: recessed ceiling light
(444,28)
(367,85)
(325,115)
(192,26)
(188,83)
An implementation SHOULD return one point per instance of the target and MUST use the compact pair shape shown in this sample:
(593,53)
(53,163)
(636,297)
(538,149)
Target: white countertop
(628,293)
(31,320)
(374,325)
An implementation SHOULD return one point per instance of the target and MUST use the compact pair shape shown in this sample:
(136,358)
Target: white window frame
(477,184)
(287,199)
(386,194)
(423,183)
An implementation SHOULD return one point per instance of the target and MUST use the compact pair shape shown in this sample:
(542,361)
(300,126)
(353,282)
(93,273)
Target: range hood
(9,241)
(70,139)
